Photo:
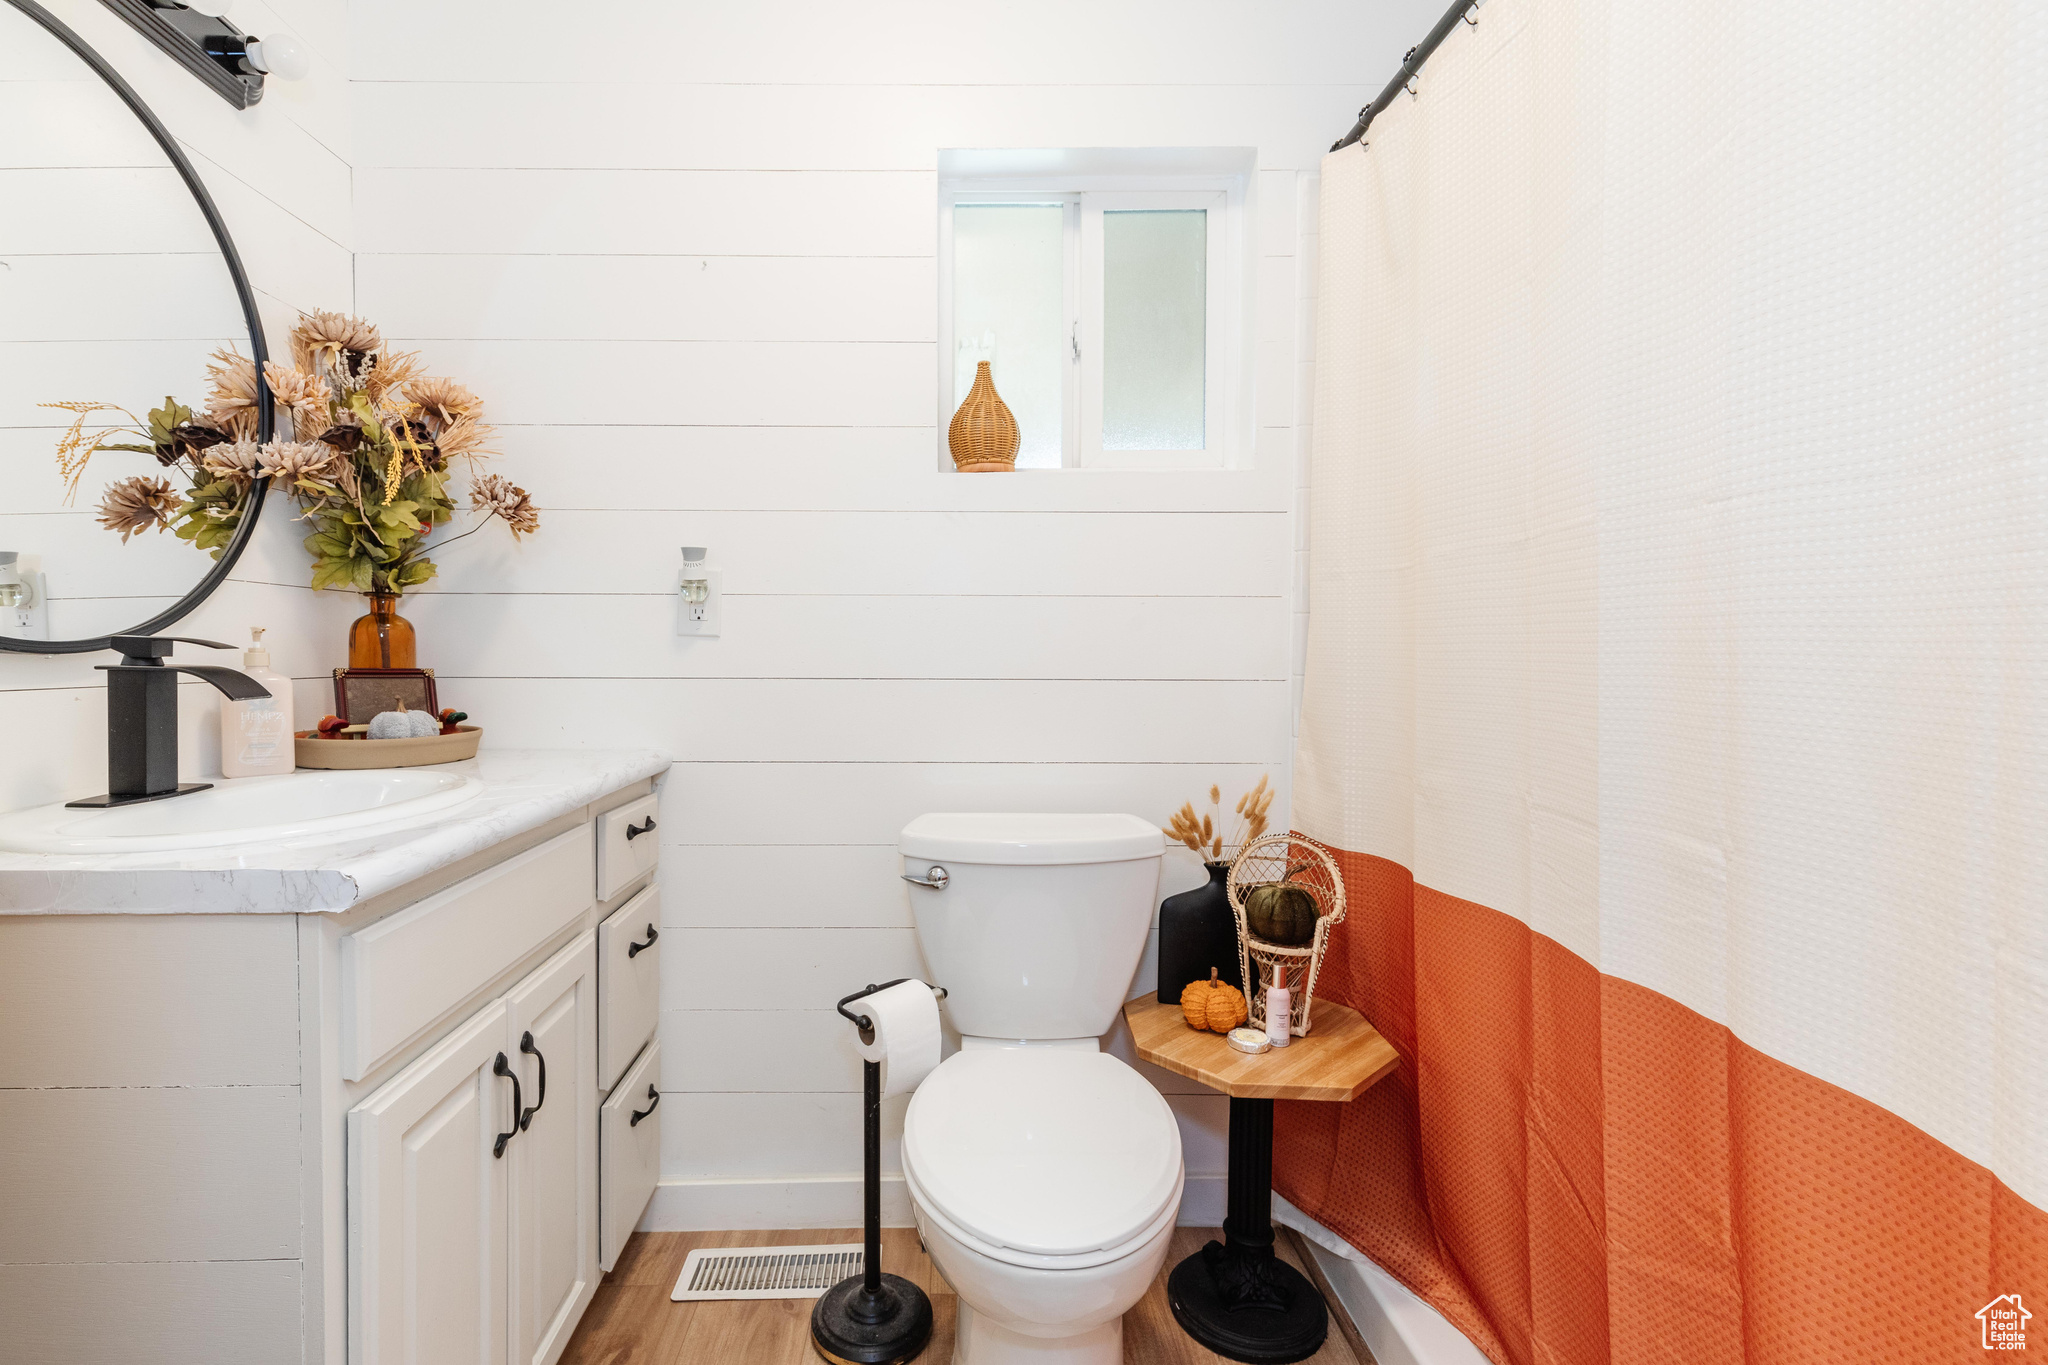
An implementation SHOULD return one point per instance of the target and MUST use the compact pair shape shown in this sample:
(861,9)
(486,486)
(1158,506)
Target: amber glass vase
(382,638)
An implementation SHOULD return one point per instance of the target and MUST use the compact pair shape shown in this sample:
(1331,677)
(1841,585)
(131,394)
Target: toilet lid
(1049,1151)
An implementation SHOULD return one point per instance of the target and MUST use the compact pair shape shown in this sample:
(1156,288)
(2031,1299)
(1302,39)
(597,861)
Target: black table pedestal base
(1263,1336)
(1235,1296)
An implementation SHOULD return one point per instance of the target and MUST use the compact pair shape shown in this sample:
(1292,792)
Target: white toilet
(1044,1174)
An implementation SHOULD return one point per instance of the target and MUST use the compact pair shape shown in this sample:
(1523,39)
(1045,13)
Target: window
(1107,308)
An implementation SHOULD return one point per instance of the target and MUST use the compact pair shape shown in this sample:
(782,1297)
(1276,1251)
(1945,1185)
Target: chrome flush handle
(934,877)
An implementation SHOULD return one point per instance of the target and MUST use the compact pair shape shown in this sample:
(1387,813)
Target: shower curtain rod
(1410,64)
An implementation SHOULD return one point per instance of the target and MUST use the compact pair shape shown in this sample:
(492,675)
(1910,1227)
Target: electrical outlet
(700,601)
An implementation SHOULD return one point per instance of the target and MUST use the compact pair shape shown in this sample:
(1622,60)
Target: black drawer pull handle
(501,1068)
(526,1045)
(635,831)
(634,950)
(653,1103)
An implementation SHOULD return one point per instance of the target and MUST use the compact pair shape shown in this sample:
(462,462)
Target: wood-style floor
(632,1321)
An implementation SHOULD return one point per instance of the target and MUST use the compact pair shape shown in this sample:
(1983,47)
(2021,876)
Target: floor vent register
(765,1272)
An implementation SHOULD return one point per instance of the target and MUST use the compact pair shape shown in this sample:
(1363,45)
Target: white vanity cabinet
(472,1223)
(282,1134)
(428,1206)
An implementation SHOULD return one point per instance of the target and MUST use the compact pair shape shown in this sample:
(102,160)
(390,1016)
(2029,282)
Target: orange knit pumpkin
(1214,1005)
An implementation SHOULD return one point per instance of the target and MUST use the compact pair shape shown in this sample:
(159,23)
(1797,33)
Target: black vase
(1197,931)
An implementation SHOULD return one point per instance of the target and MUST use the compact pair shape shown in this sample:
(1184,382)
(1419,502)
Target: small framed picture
(360,693)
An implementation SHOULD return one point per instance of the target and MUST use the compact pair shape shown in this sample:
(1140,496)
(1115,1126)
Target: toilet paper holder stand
(861,1021)
(872,1318)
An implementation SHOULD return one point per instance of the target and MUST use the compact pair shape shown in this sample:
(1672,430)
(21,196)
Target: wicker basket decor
(983,436)
(1301,862)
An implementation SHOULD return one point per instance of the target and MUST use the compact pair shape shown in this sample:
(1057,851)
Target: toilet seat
(1043,1157)
(1086,1260)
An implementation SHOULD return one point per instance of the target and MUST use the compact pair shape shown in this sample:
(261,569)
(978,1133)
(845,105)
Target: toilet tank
(1041,921)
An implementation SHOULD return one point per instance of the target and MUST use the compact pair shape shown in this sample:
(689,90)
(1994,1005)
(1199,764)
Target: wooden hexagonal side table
(1235,1296)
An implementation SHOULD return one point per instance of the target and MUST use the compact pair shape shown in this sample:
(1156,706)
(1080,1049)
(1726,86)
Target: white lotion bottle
(256,735)
(1279,1003)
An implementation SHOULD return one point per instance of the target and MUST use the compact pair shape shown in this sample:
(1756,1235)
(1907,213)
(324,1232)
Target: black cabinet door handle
(634,950)
(635,831)
(526,1045)
(653,1103)
(502,1068)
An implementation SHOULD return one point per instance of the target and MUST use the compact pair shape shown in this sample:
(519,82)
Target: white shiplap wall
(280,175)
(687,255)
(221,1279)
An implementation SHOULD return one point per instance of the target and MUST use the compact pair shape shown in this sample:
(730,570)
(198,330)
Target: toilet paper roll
(906,1019)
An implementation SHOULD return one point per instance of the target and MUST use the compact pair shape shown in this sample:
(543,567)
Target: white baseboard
(832,1201)
(1399,1328)
(825,1201)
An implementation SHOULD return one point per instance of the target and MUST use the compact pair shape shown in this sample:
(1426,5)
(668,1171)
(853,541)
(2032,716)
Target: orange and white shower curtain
(1675,688)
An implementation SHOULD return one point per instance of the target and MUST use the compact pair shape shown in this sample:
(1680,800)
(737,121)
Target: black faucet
(142,717)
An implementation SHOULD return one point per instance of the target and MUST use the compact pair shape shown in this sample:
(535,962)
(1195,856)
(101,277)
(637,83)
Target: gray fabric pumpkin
(1279,912)
(403,724)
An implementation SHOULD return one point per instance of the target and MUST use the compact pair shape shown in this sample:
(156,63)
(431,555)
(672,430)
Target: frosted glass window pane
(1155,316)
(1009,268)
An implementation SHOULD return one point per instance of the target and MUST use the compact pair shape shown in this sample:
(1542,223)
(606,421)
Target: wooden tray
(357,752)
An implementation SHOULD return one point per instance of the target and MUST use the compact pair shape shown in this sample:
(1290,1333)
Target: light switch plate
(706,617)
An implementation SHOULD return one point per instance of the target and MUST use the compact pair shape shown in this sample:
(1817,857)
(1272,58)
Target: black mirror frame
(252,505)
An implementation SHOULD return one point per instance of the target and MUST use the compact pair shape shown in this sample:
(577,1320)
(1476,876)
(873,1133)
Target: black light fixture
(199,38)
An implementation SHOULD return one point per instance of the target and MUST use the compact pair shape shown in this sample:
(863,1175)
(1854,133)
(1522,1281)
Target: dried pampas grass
(1200,832)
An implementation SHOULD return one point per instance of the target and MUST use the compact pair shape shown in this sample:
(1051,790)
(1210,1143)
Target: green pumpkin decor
(1281,913)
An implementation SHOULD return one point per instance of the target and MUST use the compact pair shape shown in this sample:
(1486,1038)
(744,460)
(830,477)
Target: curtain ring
(1467,16)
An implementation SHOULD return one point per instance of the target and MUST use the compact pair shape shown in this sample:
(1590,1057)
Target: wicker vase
(983,436)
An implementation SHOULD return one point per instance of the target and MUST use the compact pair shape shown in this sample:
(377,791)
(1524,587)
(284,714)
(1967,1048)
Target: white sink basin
(305,804)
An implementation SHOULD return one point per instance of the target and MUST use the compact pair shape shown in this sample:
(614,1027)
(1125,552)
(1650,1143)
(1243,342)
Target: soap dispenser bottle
(256,735)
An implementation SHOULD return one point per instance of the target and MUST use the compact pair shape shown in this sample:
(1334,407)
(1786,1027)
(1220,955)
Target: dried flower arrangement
(1204,834)
(372,438)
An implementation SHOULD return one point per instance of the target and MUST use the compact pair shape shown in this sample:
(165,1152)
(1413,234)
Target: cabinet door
(427,1202)
(551,1032)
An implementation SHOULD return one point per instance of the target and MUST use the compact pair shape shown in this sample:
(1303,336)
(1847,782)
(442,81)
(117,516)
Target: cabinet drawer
(627,845)
(628,983)
(405,971)
(630,1154)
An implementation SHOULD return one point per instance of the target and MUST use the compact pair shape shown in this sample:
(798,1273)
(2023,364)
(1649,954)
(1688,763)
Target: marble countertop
(523,789)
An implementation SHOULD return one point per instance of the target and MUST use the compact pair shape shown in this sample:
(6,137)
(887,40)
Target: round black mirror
(119,286)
